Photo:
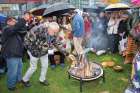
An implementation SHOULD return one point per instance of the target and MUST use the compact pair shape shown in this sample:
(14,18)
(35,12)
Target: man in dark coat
(12,48)
(12,51)
(123,30)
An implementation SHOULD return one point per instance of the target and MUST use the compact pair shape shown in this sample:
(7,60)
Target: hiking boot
(12,89)
(26,84)
(45,83)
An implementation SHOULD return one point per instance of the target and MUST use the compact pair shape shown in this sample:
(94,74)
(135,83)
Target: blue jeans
(14,73)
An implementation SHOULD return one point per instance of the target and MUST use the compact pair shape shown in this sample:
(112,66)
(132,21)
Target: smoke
(99,39)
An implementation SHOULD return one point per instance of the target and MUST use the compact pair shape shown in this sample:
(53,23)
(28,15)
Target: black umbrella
(58,9)
(93,10)
(39,10)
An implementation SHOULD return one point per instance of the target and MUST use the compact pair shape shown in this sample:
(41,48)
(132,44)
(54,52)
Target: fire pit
(84,70)
(96,72)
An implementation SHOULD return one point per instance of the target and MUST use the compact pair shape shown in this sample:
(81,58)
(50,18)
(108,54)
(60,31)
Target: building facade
(9,7)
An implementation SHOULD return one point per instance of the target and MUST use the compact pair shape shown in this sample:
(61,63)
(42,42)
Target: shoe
(62,65)
(26,84)
(12,89)
(45,83)
(20,81)
(53,66)
(2,71)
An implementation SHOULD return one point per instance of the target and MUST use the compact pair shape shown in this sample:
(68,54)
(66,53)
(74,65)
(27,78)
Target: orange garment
(130,50)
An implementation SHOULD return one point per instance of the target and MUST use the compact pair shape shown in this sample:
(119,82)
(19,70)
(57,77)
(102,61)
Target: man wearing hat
(12,51)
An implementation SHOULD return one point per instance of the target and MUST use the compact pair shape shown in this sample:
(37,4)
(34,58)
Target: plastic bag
(122,45)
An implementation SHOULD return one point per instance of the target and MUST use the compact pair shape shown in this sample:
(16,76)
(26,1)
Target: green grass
(59,82)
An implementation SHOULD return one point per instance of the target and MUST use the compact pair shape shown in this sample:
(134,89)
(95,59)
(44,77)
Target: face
(27,16)
(85,18)
(139,24)
(53,32)
(72,15)
(50,19)
(11,22)
(102,14)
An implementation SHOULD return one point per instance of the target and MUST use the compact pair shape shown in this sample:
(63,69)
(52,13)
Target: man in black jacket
(23,26)
(12,51)
(12,48)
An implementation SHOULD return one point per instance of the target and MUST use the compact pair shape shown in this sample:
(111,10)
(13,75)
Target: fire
(82,67)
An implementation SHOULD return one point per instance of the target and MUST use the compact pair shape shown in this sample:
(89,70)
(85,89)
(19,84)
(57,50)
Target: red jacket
(87,25)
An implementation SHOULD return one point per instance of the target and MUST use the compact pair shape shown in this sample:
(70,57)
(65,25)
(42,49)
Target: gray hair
(53,25)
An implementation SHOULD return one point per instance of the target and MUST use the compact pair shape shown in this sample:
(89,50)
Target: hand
(121,34)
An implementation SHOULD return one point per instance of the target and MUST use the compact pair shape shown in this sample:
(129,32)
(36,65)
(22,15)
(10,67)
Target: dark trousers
(114,42)
(51,58)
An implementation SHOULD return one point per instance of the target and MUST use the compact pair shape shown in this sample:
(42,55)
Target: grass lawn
(59,82)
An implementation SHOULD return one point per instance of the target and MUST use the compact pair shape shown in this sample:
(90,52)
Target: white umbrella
(117,6)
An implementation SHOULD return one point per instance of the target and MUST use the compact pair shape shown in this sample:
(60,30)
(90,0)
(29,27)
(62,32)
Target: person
(88,29)
(112,31)
(123,32)
(103,19)
(131,43)
(38,42)
(78,30)
(12,51)
(98,37)
(135,30)
(135,73)
(122,28)
(57,56)
(63,37)
(3,68)
(68,33)
(23,23)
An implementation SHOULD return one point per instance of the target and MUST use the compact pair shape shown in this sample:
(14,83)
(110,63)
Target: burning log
(82,67)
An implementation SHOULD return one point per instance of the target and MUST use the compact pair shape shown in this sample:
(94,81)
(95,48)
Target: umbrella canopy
(58,9)
(117,7)
(93,10)
(135,2)
(38,11)
(2,18)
